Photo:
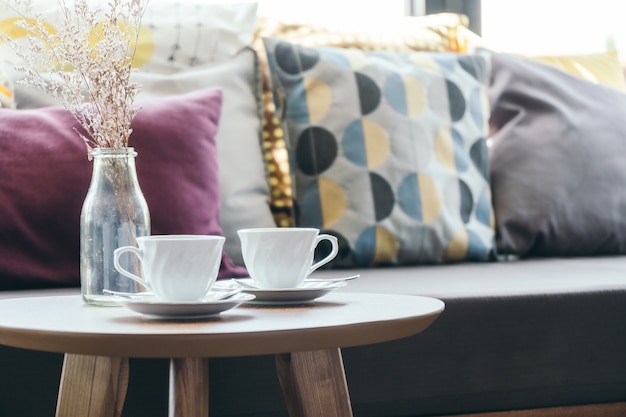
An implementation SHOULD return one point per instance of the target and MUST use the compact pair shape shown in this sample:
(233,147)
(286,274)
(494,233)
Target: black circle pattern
(480,157)
(467,201)
(382,193)
(369,93)
(295,59)
(456,100)
(316,150)
(469,65)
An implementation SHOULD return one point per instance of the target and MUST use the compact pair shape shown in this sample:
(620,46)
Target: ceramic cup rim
(277,229)
(155,238)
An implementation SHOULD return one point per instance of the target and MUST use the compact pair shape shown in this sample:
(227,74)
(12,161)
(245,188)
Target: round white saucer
(305,293)
(152,307)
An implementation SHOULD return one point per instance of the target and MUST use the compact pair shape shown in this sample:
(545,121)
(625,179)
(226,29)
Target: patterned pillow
(437,32)
(174,34)
(388,151)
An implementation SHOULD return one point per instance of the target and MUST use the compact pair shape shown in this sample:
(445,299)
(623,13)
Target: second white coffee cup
(176,268)
(282,257)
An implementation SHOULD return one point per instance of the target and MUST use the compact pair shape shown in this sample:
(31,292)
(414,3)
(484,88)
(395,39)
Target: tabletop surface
(65,324)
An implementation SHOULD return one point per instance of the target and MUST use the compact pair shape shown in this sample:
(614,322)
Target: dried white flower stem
(85,63)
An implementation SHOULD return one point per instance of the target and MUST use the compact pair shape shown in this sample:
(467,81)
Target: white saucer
(305,293)
(152,307)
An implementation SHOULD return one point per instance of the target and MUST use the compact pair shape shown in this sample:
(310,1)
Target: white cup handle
(116,262)
(330,256)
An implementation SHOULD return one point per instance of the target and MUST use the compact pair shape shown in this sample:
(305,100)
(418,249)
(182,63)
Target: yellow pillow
(601,68)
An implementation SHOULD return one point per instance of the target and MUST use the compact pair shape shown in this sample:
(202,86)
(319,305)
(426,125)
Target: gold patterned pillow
(443,32)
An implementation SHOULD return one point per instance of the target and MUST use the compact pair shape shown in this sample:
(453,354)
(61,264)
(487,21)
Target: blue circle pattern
(460,155)
(297,107)
(395,94)
(312,206)
(353,143)
(365,247)
(483,208)
(447,63)
(337,57)
(476,250)
(409,197)
(475,107)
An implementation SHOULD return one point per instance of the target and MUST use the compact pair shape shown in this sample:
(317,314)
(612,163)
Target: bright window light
(542,27)
(334,12)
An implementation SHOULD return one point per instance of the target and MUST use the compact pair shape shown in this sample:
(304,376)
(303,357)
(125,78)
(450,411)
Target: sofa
(487,180)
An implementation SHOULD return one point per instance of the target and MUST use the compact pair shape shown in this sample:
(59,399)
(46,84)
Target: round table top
(65,324)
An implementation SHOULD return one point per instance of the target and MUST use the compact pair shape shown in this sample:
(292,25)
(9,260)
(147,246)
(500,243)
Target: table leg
(314,383)
(92,386)
(189,387)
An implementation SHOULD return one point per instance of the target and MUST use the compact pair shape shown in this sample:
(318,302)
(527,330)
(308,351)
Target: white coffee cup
(176,268)
(282,257)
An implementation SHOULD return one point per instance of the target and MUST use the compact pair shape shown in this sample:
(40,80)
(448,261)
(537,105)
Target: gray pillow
(558,172)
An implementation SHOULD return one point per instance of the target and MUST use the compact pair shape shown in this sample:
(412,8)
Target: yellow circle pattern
(319,98)
(333,201)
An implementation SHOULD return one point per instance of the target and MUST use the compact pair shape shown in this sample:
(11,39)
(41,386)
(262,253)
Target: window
(554,26)
(345,12)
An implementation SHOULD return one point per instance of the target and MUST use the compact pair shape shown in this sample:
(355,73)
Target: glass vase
(114,214)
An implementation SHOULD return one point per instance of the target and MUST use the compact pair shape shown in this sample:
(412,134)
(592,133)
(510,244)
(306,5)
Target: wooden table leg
(189,387)
(314,383)
(92,386)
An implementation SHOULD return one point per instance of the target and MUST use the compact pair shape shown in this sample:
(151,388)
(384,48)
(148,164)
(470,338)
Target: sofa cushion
(388,150)
(244,190)
(435,32)
(45,176)
(557,168)
(514,335)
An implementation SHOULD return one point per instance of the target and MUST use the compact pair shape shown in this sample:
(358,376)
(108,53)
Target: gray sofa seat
(514,335)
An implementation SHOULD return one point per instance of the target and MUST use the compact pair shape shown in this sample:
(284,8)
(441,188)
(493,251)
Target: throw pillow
(244,190)
(174,35)
(557,161)
(436,32)
(45,176)
(602,68)
(389,150)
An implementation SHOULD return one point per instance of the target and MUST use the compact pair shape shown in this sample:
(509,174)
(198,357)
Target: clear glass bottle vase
(114,214)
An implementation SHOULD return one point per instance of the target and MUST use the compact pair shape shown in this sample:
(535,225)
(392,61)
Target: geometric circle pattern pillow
(435,32)
(389,151)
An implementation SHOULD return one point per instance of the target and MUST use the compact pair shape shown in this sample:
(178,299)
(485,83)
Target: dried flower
(85,63)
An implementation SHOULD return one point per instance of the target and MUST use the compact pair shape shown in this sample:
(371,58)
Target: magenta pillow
(45,174)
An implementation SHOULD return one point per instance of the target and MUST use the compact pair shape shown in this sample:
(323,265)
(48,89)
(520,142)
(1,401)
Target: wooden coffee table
(306,340)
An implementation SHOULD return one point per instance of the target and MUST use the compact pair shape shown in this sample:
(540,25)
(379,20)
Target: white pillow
(244,190)
(175,34)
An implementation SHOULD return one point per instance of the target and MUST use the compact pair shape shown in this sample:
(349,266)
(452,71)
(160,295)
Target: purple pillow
(45,174)
(557,161)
